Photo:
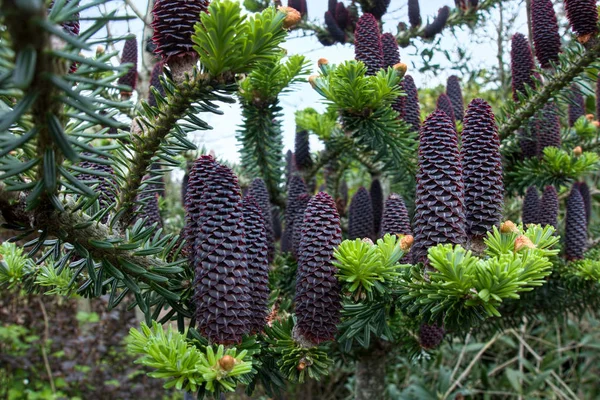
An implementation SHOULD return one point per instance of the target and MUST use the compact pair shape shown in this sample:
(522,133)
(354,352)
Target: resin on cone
(360,216)
(258,262)
(454,93)
(439,206)
(318,297)
(482,169)
(575,226)
(521,65)
(546,38)
(220,260)
(531,206)
(367,43)
(258,190)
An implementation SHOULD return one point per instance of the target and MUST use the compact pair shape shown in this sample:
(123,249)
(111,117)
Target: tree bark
(370,373)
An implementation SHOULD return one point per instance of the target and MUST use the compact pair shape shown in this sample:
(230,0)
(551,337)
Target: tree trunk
(370,373)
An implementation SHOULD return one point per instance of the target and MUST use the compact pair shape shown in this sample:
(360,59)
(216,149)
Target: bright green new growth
(183,365)
(60,281)
(13,265)
(466,287)
(228,41)
(364,266)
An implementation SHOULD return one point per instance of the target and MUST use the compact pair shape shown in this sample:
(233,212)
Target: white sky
(222,138)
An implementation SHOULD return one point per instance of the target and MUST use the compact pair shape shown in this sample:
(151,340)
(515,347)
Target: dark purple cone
(378,9)
(391,53)
(155,83)
(71,27)
(295,189)
(331,5)
(301,204)
(549,128)
(445,104)
(105,185)
(318,299)
(439,206)
(528,139)
(299,5)
(482,169)
(199,173)
(454,93)
(575,226)
(290,165)
(184,183)
(173,26)
(130,55)
(584,189)
(395,219)
(583,16)
(221,282)
(576,104)
(549,207)
(521,64)
(411,112)
(258,263)
(531,206)
(334,29)
(367,43)
(376,193)
(150,210)
(360,216)
(258,190)
(431,336)
(474,3)
(546,38)
(276,215)
(414,13)
(438,24)
(302,151)
(341,16)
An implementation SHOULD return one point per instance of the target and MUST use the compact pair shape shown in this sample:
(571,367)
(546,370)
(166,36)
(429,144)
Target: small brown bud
(227,363)
(590,117)
(292,16)
(523,242)
(313,80)
(508,227)
(583,39)
(322,61)
(401,69)
(100,50)
(406,242)
(577,151)
(301,366)
(368,241)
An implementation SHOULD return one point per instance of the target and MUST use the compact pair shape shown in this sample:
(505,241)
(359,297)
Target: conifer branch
(556,82)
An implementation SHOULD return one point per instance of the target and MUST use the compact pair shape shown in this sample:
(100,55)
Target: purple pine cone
(521,65)
(549,207)
(367,43)
(376,193)
(360,216)
(575,226)
(414,13)
(531,207)
(546,38)
(576,104)
(395,220)
(454,93)
(445,104)
(411,111)
(438,24)
(258,190)
(583,17)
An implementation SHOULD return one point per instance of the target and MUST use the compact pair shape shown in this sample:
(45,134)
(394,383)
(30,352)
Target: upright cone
(318,300)
(549,207)
(439,206)
(367,43)
(258,190)
(546,38)
(521,65)
(454,93)
(360,216)
(395,220)
(575,226)
(531,206)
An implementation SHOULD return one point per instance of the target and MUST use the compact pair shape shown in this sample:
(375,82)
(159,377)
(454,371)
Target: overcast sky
(222,138)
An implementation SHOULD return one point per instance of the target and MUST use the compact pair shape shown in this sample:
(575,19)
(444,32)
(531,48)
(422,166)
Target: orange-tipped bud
(577,151)
(227,363)
(508,227)
(523,242)
(292,16)
(406,242)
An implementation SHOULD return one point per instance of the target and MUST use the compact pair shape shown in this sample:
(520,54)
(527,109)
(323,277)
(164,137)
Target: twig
(467,370)
(502,366)
(138,13)
(460,357)
(44,355)
(521,357)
